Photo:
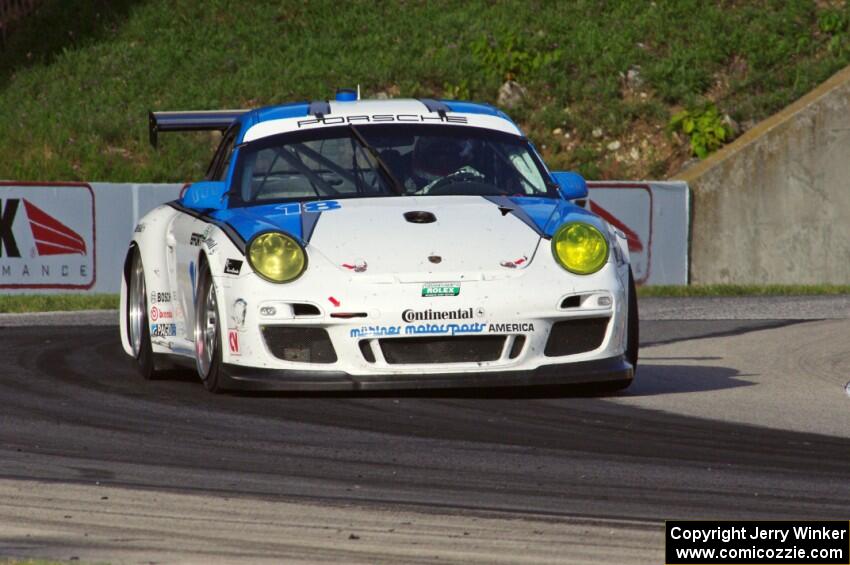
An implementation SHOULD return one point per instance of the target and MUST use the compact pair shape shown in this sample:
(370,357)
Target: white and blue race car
(366,244)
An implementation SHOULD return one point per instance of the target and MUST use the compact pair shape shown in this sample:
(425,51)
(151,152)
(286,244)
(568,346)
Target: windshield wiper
(394,182)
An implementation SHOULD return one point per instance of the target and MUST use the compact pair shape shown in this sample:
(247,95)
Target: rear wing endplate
(218,120)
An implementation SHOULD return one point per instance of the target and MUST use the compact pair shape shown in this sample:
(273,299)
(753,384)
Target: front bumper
(612,369)
(521,307)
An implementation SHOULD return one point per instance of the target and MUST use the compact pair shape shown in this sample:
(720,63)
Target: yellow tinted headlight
(580,248)
(276,257)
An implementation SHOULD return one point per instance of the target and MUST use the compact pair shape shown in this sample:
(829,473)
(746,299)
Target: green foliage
(834,23)
(459,91)
(78,78)
(704,127)
(508,58)
(21,303)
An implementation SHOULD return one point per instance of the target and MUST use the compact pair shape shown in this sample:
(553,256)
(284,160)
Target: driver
(435,158)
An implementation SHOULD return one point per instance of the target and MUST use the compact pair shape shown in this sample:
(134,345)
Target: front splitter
(609,370)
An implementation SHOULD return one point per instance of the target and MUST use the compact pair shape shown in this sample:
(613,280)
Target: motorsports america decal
(47,236)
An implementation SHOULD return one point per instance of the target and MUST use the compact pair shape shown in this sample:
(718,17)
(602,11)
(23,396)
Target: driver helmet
(437,157)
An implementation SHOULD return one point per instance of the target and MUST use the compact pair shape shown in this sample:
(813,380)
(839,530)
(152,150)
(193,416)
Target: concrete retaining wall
(72,237)
(774,206)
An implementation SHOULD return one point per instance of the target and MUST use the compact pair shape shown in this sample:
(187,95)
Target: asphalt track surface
(728,419)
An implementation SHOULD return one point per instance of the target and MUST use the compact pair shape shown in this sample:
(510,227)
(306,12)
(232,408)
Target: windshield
(387,160)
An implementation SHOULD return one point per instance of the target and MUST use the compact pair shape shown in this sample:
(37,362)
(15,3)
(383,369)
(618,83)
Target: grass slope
(77,79)
(20,303)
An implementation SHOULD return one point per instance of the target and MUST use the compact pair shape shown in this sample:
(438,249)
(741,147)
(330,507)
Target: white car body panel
(365,112)
(365,259)
(497,295)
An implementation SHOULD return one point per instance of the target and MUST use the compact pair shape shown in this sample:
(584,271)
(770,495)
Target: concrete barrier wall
(774,206)
(72,237)
(654,217)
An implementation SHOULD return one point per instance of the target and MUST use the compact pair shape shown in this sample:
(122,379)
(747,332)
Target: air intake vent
(423,350)
(299,310)
(420,217)
(299,344)
(571,302)
(366,350)
(575,336)
(516,349)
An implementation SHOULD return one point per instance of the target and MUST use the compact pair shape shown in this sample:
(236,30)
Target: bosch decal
(157,297)
(47,236)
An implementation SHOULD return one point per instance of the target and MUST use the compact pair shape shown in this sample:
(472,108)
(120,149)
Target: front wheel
(632,337)
(208,333)
(633,325)
(138,331)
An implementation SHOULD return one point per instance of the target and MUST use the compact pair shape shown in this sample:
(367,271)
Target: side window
(221,160)
(230,145)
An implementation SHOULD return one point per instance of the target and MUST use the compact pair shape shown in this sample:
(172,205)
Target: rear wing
(190,121)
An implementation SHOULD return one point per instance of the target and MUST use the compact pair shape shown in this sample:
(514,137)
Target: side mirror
(572,184)
(206,195)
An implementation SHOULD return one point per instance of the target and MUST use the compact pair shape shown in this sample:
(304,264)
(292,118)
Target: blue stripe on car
(475,108)
(308,224)
(518,211)
(252,220)
(545,215)
(294,110)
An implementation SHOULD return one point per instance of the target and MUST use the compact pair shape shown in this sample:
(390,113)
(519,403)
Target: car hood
(424,238)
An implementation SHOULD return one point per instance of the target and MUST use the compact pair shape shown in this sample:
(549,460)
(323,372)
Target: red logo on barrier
(47,235)
(233,340)
(51,236)
(635,244)
(628,208)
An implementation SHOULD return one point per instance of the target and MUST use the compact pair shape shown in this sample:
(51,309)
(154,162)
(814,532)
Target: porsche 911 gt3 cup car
(364,244)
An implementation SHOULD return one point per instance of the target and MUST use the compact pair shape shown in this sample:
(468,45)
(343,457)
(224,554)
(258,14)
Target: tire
(633,327)
(632,340)
(138,329)
(208,333)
